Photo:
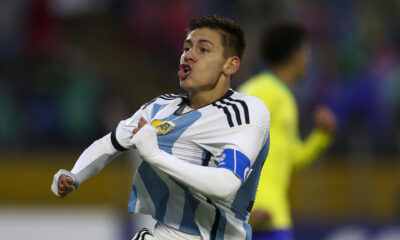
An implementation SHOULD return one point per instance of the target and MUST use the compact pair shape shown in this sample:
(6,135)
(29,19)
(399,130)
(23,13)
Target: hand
(145,140)
(141,123)
(259,219)
(65,185)
(64,182)
(325,119)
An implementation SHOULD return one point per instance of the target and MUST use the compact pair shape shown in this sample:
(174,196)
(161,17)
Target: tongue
(182,74)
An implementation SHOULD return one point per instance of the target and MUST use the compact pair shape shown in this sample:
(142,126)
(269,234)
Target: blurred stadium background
(71,69)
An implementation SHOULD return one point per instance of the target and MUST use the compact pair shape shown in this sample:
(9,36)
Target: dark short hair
(233,36)
(280,39)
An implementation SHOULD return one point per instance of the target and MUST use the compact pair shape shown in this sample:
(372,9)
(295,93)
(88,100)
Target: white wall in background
(73,223)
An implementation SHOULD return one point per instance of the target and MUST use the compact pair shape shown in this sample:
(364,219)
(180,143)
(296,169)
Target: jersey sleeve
(104,150)
(305,152)
(245,142)
(121,135)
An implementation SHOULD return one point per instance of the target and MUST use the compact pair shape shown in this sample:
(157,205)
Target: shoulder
(257,110)
(267,87)
(255,84)
(262,84)
(251,101)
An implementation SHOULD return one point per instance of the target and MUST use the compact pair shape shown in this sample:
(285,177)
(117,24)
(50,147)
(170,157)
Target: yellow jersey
(287,150)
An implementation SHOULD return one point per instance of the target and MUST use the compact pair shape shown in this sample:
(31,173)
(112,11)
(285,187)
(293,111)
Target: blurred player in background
(286,51)
(202,151)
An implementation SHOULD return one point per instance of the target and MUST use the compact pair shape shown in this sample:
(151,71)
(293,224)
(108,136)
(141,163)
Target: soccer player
(202,151)
(285,49)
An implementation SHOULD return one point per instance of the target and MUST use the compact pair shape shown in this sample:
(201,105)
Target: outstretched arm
(91,161)
(96,157)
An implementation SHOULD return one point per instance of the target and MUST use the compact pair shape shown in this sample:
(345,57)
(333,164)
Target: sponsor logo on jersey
(163,126)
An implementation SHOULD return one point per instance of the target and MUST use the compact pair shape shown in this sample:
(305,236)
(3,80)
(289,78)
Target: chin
(184,85)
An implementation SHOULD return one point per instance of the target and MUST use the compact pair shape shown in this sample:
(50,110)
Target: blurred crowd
(70,69)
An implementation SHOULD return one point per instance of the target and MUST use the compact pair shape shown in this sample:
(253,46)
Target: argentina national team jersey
(233,127)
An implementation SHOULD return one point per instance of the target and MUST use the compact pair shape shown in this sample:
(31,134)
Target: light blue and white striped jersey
(234,127)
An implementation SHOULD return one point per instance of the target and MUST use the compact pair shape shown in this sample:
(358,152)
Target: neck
(198,99)
(285,73)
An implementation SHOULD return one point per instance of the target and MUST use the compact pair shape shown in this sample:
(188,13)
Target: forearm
(94,158)
(218,183)
(305,152)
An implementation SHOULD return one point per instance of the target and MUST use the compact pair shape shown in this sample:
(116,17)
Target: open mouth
(184,71)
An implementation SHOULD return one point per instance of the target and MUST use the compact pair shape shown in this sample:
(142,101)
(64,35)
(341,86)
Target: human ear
(231,65)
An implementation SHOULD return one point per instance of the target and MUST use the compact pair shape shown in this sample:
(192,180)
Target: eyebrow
(200,40)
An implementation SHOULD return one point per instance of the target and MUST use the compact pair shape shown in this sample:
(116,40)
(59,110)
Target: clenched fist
(64,182)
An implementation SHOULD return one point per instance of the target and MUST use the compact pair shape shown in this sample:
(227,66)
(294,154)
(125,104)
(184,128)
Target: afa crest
(163,126)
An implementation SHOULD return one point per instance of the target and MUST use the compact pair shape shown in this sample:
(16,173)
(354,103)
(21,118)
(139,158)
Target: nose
(189,55)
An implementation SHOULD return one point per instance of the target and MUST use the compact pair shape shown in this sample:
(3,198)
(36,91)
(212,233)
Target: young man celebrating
(285,50)
(202,152)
